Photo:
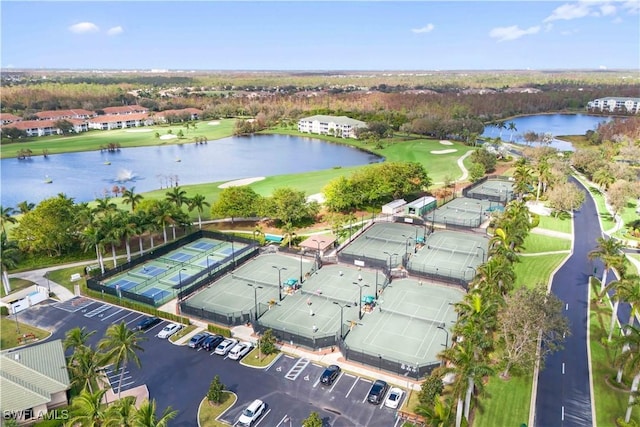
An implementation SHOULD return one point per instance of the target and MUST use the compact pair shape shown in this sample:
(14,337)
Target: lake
(86,176)
(555,124)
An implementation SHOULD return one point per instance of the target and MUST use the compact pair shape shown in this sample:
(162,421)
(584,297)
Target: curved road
(563,392)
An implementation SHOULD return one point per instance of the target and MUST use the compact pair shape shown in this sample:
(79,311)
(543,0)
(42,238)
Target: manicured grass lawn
(16,285)
(535,243)
(208,413)
(182,332)
(536,269)
(555,224)
(9,333)
(508,405)
(610,403)
(93,140)
(63,276)
(631,265)
(252,359)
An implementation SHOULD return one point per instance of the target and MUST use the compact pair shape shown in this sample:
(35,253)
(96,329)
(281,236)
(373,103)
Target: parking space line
(290,357)
(128,323)
(263,417)
(384,398)
(397,421)
(129,313)
(316,383)
(335,382)
(282,420)
(352,386)
(112,314)
(153,327)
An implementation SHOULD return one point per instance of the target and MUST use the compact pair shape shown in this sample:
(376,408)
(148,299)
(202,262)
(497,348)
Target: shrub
(4,310)
(225,332)
(431,387)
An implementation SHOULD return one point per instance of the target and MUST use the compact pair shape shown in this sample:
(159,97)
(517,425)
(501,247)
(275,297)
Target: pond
(555,124)
(86,176)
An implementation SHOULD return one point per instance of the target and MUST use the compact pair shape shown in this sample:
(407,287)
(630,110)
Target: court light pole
(483,252)
(208,271)
(390,256)
(318,252)
(406,244)
(360,300)
(180,282)
(301,254)
(475,272)
(341,314)
(279,281)
(255,297)
(446,342)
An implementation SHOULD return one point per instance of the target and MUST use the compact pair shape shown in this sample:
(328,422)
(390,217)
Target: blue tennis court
(155,293)
(151,270)
(177,278)
(123,284)
(180,256)
(203,246)
(225,251)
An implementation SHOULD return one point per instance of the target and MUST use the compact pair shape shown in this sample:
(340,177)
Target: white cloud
(568,12)
(84,27)
(617,20)
(603,67)
(115,31)
(426,29)
(632,6)
(607,9)
(511,33)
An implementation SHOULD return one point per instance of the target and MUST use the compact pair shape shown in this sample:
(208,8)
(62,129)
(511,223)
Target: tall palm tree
(609,251)
(130,197)
(104,206)
(9,258)
(87,410)
(627,288)
(437,415)
(603,178)
(177,196)
(76,338)
(289,232)
(25,207)
(198,202)
(542,169)
(121,412)
(630,361)
(495,277)
(512,129)
(6,217)
(522,178)
(162,213)
(92,237)
(145,416)
(85,366)
(127,230)
(112,232)
(120,345)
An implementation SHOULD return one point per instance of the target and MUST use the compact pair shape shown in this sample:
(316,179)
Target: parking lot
(179,376)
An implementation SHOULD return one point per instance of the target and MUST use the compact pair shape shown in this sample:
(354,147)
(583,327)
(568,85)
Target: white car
(251,413)
(240,350)
(225,346)
(169,330)
(394,398)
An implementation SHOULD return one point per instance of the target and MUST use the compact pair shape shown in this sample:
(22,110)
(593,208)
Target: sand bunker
(139,130)
(213,123)
(240,182)
(168,136)
(445,142)
(452,150)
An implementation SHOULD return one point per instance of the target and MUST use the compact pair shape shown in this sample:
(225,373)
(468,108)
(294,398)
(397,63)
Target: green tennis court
(462,211)
(494,189)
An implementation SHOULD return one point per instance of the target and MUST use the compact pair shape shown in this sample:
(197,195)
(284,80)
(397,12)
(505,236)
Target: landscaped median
(208,413)
(259,360)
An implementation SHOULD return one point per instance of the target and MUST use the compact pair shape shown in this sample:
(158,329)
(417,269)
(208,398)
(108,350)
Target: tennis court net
(475,211)
(382,239)
(253,281)
(138,275)
(171,261)
(327,297)
(412,316)
(454,251)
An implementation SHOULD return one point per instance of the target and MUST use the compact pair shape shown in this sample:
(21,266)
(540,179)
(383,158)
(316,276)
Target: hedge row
(225,332)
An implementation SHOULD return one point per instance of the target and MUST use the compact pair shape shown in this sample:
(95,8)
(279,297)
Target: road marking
(316,383)
(384,398)
(397,421)
(352,386)
(279,369)
(263,416)
(562,414)
(562,368)
(283,420)
(112,314)
(128,323)
(306,377)
(335,382)
(289,357)
(296,369)
(123,317)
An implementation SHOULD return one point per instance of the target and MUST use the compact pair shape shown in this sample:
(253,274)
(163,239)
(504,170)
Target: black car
(377,392)
(330,374)
(148,323)
(211,342)
(197,340)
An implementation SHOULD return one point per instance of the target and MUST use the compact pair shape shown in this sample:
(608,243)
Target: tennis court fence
(448,275)
(442,218)
(297,337)
(229,319)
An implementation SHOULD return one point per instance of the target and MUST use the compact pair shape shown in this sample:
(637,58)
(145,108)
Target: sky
(321,35)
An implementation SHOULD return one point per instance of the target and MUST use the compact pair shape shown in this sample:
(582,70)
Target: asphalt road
(179,376)
(563,394)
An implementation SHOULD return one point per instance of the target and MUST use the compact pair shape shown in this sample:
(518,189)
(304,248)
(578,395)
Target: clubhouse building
(339,126)
(615,105)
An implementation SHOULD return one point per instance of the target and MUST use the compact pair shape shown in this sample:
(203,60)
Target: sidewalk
(38,277)
(328,357)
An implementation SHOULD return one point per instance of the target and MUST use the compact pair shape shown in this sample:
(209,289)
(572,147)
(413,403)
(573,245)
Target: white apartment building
(340,126)
(615,105)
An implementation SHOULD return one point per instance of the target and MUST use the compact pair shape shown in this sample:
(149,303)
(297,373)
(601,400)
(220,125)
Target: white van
(251,413)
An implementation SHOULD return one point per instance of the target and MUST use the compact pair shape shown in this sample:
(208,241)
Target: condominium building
(615,105)
(340,126)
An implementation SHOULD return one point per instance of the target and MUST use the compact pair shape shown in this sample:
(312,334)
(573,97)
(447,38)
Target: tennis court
(384,242)
(450,254)
(463,211)
(497,190)
(124,284)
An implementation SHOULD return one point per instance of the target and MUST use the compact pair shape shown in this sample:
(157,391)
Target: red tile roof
(125,109)
(39,124)
(177,112)
(118,118)
(53,114)
(5,117)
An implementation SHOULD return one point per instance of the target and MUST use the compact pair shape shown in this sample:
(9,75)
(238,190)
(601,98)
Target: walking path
(552,233)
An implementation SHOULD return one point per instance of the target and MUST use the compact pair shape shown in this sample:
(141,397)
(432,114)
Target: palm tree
(162,213)
(495,277)
(76,338)
(120,345)
(543,170)
(609,251)
(24,207)
(112,232)
(289,233)
(198,202)
(88,411)
(85,366)
(92,237)
(121,412)
(177,196)
(9,258)
(630,360)
(438,415)
(512,129)
(104,206)
(129,197)
(603,178)
(145,416)
(127,230)
(6,217)
(627,288)
(522,177)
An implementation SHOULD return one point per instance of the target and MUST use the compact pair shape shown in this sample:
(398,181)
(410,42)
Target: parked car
(169,330)
(377,391)
(148,323)
(240,350)
(251,413)
(197,339)
(394,398)
(212,341)
(225,346)
(330,374)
